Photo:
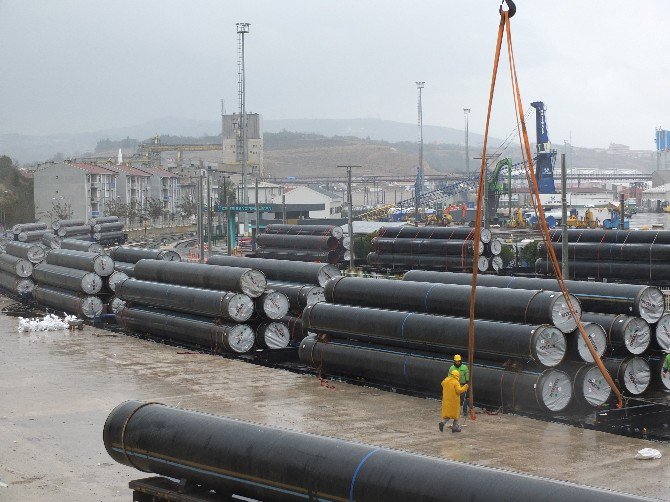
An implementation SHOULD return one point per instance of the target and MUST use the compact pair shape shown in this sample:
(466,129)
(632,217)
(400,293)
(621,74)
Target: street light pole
(466,112)
(209,211)
(350,219)
(201,242)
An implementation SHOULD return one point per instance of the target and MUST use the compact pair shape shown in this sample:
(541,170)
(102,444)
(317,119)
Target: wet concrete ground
(57,388)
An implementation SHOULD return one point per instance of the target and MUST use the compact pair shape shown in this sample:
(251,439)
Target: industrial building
(233,141)
(312,195)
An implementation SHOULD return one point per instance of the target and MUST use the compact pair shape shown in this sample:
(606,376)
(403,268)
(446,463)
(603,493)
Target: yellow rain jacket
(451,389)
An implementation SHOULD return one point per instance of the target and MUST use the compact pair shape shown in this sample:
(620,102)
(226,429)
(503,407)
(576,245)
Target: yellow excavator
(588,221)
(518,221)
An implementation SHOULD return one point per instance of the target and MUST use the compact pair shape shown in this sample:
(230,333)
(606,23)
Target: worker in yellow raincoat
(451,401)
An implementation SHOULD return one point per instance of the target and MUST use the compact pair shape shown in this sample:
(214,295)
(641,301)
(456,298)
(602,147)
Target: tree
(60,210)
(188,206)
(155,208)
(116,208)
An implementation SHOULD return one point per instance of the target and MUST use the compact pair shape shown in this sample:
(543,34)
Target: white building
(312,195)
(164,186)
(133,185)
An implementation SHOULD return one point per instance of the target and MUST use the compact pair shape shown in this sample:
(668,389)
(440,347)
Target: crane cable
(533,187)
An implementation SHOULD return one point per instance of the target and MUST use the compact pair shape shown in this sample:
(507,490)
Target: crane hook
(511,6)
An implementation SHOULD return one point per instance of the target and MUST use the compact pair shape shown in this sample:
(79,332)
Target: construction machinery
(496,188)
(546,157)
(587,221)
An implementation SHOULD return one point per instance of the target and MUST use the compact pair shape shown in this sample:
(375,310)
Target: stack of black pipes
(16,267)
(404,335)
(614,255)
(29,232)
(108,230)
(435,248)
(621,320)
(310,243)
(72,228)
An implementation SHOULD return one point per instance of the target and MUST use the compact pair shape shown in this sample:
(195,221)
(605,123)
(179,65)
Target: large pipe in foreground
(296,328)
(242,280)
(624,333)
(662,332)
(279,270)
(519,305)
(440,247)
(18,285)
(133,255)
(405,261)
(191,330)
(328,230)
(81,245)
(52,241)
(299,295)
(648,271)
(100,264)
(577,347)
(589,387)
(548,391)
(272,304)
(15,265)
(272,335)
(83,305)
(303,242)
(126,268)
(456,233)
(632,374)
(264,463)
(646,302)
(235,307)
(114,279)
(544,345)
(34,253)
(68,278)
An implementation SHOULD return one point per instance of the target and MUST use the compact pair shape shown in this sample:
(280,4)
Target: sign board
(243,208)
(662,140)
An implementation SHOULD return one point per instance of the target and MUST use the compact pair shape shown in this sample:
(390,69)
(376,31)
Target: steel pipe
(110,237)
(405,261)
(328,230)
(34,253)
(272,305)
(496,263)
(624,333)
(100,264)
(614,236)
(332,257)
(662,332)
(457,233)
(632,374)
(15,265)
(114,279)
(234,307)
(592,251)
(50,240)
(299,295)
(82,305)
(637,271)
(272,335)
(107,227)
(544,345)
(71,279)
(548,391)
(577,348)
(58,224)
(589,387)
(115,305)
(81,245)
(133,255)
(190,330)
(658,378)
(265,463)
(296,328)
(346,242)
(103,219)
(520,306)
(301,242)
(126,268)
(646,302)
(280,270)
(28,227)
(32,236)
(17,285)
(495,246)
(241,280)
(441,247)
(74,230)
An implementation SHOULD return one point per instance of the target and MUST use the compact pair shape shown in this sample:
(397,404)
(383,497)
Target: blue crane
(546,157)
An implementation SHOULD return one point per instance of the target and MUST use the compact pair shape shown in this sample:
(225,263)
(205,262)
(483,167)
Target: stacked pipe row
(16,267)
(621,255)
(435,248)
(224,307)
(29,232)
(311,243)
(404,334)
(626,323)
(108,230)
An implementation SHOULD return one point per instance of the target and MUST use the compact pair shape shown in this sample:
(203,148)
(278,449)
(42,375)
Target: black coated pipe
(198,275)
(496,263)
(99,228)
(190,330)
(272,335)
(264,463)
(457,233)
(612,252)
(235,307)
(15,265)
(28,227)
(299,295)
(330,230)
(495,246)
(589,387)
(544,345)
(83,305)
(100,264)
(68,278)
(577,348)
(659,379)
(333,257)
(58,224)
(440,247)
(133,255)
(31,236)
(632,374)
(627,334)
(648,272)
(614,236)
(646,302)
(74,230)
(520,306)
(126,268)
(114,279)
(52,241)
(548,391)
(111,237)
(18,285)
(34,253)
(81,245)
(272,305)
(662,332)
(301,242)
(405,261)
(280,270)
(115,305)
(296,328)
(104,219)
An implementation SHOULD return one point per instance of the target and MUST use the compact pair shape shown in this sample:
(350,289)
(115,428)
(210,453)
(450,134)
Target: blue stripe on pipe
(353,478)
(402,327)
(425,298)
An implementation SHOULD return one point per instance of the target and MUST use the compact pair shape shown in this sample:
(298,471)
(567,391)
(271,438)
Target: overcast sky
(601,67)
